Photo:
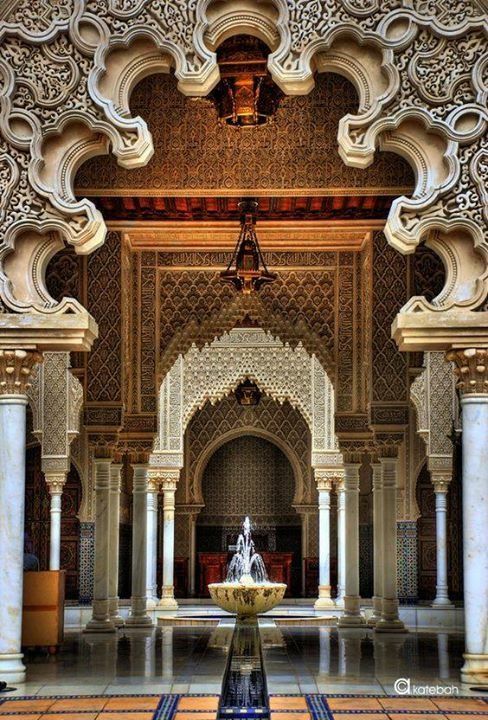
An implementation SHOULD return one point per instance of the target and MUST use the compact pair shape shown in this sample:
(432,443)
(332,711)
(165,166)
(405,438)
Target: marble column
(138,611)
(341,543)
(471,368)
(441,487)
(15,370)
(100,621)
(55,482)
(389,621)
(152,547)
(168,486)
(324,485)
(377,543)
(113,542)
(352,612)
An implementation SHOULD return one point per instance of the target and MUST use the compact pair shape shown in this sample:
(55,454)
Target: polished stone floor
(192,660)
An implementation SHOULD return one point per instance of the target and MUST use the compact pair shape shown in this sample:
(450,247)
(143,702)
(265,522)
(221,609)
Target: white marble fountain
(247,591)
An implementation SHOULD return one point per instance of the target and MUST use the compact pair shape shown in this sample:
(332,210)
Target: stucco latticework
(68,71)
(56,399)
(434,398)
(212,372)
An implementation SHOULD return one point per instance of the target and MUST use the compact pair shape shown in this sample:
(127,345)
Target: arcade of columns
(67,75)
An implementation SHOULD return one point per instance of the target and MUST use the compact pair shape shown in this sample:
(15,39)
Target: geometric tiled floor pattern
(203,707)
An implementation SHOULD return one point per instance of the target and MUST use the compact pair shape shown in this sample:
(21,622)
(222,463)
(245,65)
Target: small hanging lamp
(247,270)
(247,393)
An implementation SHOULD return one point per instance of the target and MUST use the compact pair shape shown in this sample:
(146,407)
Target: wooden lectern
(43,609)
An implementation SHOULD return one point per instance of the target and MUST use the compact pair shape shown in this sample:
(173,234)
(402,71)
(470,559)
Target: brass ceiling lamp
(247,270)
(246,95)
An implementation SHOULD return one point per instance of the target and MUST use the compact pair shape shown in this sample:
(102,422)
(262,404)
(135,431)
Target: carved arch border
(213,371)
(81,66)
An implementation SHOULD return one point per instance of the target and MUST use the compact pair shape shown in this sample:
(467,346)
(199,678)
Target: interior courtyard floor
(302,660)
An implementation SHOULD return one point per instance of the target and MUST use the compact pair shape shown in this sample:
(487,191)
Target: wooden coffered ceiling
(153,208)
(301,222)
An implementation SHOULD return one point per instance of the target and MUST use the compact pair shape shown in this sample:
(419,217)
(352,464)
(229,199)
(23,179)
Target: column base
(117,620)
(114,616)
(390,621)
(167,603)
(442,602)
(151,603)
(12,669)
(351,621)
(352,613)
(324,600)
(339,602)
(377,608)
(142,621)
(473,672)
(99,626)
(388,626)
(324,604)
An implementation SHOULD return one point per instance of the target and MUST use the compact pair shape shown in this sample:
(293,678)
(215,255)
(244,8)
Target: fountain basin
(246,600)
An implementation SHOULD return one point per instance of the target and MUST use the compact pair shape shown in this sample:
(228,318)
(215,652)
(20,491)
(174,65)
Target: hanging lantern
(246,95)
(248,394)
(247,270)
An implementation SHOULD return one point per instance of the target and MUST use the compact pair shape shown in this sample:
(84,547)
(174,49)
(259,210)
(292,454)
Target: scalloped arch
(78,67)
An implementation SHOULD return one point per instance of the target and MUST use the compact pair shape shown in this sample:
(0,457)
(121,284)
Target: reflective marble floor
(192,660)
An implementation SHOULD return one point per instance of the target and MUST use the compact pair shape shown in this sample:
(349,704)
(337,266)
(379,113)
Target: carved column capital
(55,482)
(441,483)
(16,368)
(164,478)
(153,484)
(326,477)
(471,369)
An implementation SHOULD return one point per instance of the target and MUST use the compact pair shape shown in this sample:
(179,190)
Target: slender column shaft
(152,537)
(167,596)
(390,621)
(475,538)
(352,615)
(114,534)
(324,484)
(12,490)
(324,539)
(441,486)
(377,543)
(101,621)
(138,615)
(341,543)
(55,482)
(55,532)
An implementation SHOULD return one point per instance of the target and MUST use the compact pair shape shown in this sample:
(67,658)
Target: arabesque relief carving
(212,372)
(68,69)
